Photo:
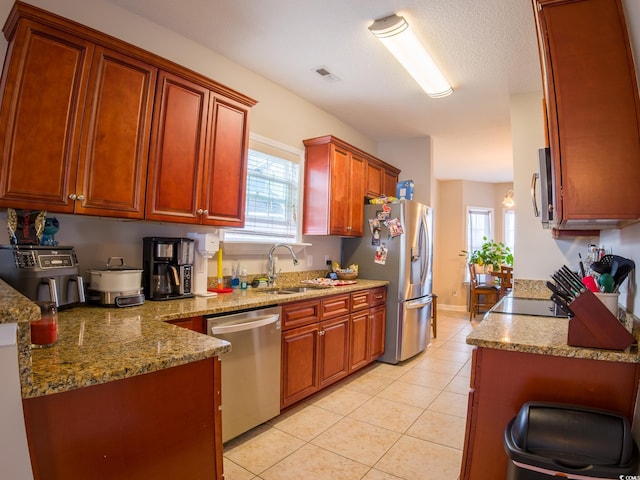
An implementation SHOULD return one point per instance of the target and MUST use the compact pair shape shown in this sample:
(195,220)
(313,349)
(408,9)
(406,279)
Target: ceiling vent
(324,72)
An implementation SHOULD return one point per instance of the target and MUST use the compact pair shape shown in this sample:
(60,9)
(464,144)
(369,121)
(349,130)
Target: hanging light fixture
(508,200)
(394,33)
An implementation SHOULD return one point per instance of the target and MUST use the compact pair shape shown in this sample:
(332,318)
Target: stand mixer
(207,245)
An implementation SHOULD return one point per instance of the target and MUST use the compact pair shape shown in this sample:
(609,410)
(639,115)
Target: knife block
(594,326)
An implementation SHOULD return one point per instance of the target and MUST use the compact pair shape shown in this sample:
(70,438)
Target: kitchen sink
(287,291)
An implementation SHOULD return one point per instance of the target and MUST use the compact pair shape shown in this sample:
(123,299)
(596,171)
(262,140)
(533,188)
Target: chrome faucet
(272,270)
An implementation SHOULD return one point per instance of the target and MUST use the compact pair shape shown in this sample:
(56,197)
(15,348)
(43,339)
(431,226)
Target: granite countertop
(98,344)
(542,335)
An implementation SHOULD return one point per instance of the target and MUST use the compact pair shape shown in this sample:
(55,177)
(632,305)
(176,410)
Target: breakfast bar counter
(522,358)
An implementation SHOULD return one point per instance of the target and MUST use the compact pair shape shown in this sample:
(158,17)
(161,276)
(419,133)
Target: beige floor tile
(465,371)
(445,353)
(434,364)
(450,403)
(261,448)
(458,346)
(314,463)
(391,371)
(460,384)
(387,414)
(356,440)
(235,472)
(306,422)
(410,394)
(374,474)
(427,378)
(439,428)
(414,459)
(369,383)
(342,401)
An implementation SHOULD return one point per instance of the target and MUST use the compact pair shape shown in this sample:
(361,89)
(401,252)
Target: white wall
(413,157)
(538,254)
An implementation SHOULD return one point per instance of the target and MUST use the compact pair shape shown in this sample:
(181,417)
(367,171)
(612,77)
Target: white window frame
(469,248)
(505,239)
(233,238)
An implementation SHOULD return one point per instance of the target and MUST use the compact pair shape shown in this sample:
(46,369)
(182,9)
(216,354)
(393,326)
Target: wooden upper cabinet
(381,179)
(198,162)
(226,166)
(335,186)
(114,152)
(93,125)
(177,150)
(44,83)
(593,111)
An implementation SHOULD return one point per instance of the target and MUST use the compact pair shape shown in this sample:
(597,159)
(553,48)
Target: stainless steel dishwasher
(251,370)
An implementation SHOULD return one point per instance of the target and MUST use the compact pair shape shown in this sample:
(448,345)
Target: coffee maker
(43,273)
(168,267)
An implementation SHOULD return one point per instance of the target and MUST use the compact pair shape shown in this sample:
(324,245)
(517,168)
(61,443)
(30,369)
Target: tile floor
(386,422)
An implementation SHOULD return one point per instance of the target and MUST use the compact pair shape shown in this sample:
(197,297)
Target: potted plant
(490,256)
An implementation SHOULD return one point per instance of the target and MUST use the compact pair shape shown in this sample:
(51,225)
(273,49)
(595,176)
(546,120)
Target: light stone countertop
(544,336)
(98,344)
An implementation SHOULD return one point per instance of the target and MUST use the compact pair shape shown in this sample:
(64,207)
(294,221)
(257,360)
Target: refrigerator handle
(422,246)
(418,305)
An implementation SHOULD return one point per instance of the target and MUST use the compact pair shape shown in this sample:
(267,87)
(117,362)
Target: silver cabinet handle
(534,180)
(81,197)
(205,212)
(199,211)
(73,196)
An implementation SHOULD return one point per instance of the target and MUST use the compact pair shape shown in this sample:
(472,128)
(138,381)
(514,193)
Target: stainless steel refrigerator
(397,246)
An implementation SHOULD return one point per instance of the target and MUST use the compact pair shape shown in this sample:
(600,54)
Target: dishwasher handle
(241,327)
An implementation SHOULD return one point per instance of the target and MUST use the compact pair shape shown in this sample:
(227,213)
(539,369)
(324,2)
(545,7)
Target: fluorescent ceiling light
(394,33)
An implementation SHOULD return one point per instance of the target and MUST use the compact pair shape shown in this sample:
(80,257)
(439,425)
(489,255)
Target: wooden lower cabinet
(325,340)
(502,381)
(197,324)
(160,425)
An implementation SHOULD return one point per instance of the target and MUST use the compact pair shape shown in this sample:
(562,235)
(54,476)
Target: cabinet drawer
(378,295)
(300,313)
(335,305)
(360,300)
(192,323)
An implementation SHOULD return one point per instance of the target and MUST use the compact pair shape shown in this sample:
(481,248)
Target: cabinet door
(390,183)
(177,150)
(112,170)
(375,179)
(197,324)
(299,364)
(594,125)
(378,317)
(356,194)
(45,84)
(340,201)
(225,171)
(359,340)
(334,350)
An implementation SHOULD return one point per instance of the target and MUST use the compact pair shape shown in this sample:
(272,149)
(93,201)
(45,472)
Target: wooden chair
(483,295)
(506,280)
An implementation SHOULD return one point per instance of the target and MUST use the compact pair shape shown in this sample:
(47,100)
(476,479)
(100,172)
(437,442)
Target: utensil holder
(594,326)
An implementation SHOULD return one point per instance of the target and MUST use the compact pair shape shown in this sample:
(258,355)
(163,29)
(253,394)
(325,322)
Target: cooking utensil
(621,275)
(562,305)
(561,283)
(606,283)
(557,291)
(116,278)
(591,283)
(581,266)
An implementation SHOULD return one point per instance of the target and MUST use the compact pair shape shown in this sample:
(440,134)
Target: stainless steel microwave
(545,178)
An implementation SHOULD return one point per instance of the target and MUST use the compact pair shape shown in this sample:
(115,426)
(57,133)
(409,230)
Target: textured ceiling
(486,48)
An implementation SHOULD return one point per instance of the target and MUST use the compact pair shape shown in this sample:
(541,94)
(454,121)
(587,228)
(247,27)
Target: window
(479,226)
(509,228)
(271,211)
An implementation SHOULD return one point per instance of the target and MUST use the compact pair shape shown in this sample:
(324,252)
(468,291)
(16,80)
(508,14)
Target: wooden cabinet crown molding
(24,10)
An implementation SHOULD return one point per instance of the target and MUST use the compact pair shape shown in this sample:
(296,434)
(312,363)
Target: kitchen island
(520,358)
(126,393)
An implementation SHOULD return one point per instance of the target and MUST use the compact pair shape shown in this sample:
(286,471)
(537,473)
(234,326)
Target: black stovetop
(527,306)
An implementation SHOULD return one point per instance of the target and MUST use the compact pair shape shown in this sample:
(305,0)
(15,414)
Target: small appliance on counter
(43,273)
(119,285)
(206,246)
(168,267)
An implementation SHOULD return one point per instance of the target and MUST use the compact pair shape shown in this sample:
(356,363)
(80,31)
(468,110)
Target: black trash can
(547,440)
